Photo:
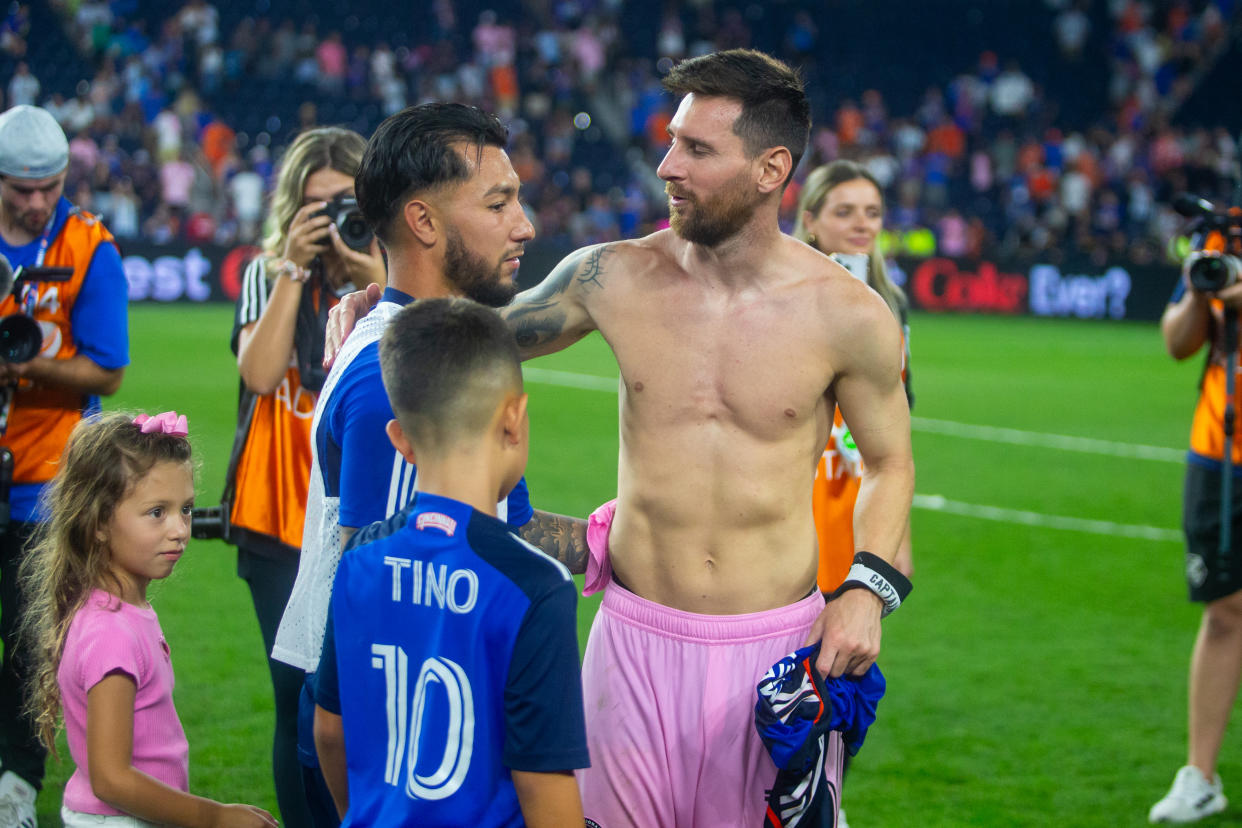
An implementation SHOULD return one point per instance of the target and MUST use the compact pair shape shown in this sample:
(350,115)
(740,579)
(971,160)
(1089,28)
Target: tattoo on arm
(589,272)
(560,536)
(537,316)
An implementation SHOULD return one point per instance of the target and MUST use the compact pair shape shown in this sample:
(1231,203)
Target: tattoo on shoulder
(592,267)
(560,537)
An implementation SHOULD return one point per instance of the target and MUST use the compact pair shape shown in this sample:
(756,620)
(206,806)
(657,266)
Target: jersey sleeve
(372,473)
(544,725)
(252,300)
(519,511)
(100,316)
(325,683)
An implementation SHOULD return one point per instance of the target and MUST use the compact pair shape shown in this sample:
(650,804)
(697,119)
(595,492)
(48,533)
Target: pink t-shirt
(110,636)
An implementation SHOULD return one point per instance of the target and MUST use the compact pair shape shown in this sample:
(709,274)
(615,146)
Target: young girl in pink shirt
(119,518)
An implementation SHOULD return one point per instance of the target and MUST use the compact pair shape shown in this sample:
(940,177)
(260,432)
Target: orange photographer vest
(1207,437)
(42,418)
(837,479)
(273,472)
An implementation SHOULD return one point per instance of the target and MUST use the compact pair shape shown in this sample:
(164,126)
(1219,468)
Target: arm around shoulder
(553,314)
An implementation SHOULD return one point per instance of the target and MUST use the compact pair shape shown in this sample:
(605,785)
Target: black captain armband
(878,575)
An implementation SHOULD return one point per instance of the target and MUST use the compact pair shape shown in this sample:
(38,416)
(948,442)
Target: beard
(716,218)
(472,275)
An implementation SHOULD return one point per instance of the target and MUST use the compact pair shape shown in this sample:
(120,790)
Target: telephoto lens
(20,338)
(1212,273)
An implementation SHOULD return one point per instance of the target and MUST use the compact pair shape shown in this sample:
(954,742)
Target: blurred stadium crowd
(1049,128)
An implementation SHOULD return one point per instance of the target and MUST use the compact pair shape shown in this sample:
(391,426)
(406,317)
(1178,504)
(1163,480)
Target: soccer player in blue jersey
(449,679)
(438,189)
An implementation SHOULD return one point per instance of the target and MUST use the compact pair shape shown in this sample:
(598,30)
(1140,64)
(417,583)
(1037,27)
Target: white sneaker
(1190,799)
(17,802)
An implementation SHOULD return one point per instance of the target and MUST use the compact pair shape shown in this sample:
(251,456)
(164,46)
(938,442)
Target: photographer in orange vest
(71,284)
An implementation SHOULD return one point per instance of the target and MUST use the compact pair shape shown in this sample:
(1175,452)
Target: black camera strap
(245,415)
(308,331)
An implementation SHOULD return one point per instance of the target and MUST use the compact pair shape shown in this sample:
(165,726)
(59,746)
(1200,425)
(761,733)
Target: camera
(354,230)
(1212,273)
(21,338)
(1218,241)
(209,523)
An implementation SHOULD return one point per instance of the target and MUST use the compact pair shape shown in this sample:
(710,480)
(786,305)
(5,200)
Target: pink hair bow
(166,423)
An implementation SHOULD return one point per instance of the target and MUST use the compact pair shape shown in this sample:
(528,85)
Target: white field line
(1011,436)
(586,382)
(1015,437)
(938,503)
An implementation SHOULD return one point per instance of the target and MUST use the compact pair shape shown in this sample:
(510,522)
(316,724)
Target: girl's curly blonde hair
(69,556)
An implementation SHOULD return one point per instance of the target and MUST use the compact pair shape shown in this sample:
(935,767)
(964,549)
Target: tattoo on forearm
(560,536)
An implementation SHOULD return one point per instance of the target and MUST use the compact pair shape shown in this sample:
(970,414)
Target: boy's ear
(399,441)
(513,419)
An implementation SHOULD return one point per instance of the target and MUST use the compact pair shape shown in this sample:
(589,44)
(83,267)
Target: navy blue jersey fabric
(451,654)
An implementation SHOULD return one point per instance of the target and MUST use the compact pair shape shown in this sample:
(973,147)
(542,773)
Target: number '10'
(403,740)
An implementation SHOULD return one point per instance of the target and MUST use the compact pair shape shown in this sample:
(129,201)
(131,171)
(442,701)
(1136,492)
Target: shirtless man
(734,342)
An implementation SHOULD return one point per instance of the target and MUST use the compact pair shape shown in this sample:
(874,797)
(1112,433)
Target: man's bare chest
(760,368)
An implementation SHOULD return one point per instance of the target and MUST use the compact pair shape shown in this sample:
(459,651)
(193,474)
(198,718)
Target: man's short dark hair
(414,151)
(775,110)
(447,364)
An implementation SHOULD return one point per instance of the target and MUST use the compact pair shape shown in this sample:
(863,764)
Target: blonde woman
(287,290)
(841,214)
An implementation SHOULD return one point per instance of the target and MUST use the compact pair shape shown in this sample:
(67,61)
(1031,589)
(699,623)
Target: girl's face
(850,220)
(150,527)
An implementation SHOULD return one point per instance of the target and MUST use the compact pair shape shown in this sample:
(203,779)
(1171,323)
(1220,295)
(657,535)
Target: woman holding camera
(304,267)
(841,214)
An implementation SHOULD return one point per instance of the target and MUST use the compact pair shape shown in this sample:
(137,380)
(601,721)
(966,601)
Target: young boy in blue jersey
(448,693)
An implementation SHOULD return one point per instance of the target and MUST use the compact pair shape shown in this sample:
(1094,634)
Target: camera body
(210,523)
(354,230)
(21,338)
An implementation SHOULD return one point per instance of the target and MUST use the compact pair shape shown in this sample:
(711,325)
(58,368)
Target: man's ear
(775,164)
(512,420)
(399,441)
(421,221)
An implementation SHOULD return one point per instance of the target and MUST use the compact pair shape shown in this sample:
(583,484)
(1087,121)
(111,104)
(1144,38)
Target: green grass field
(1036,675)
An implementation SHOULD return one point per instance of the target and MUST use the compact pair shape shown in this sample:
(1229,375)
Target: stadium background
(1039,675)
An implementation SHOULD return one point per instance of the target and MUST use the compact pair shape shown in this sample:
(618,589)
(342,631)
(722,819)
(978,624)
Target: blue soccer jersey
(451,655)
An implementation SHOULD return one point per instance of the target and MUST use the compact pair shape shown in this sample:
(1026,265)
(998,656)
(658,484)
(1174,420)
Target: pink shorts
(670,709)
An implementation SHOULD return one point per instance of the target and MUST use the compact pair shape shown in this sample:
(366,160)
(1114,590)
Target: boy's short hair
(447,364)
